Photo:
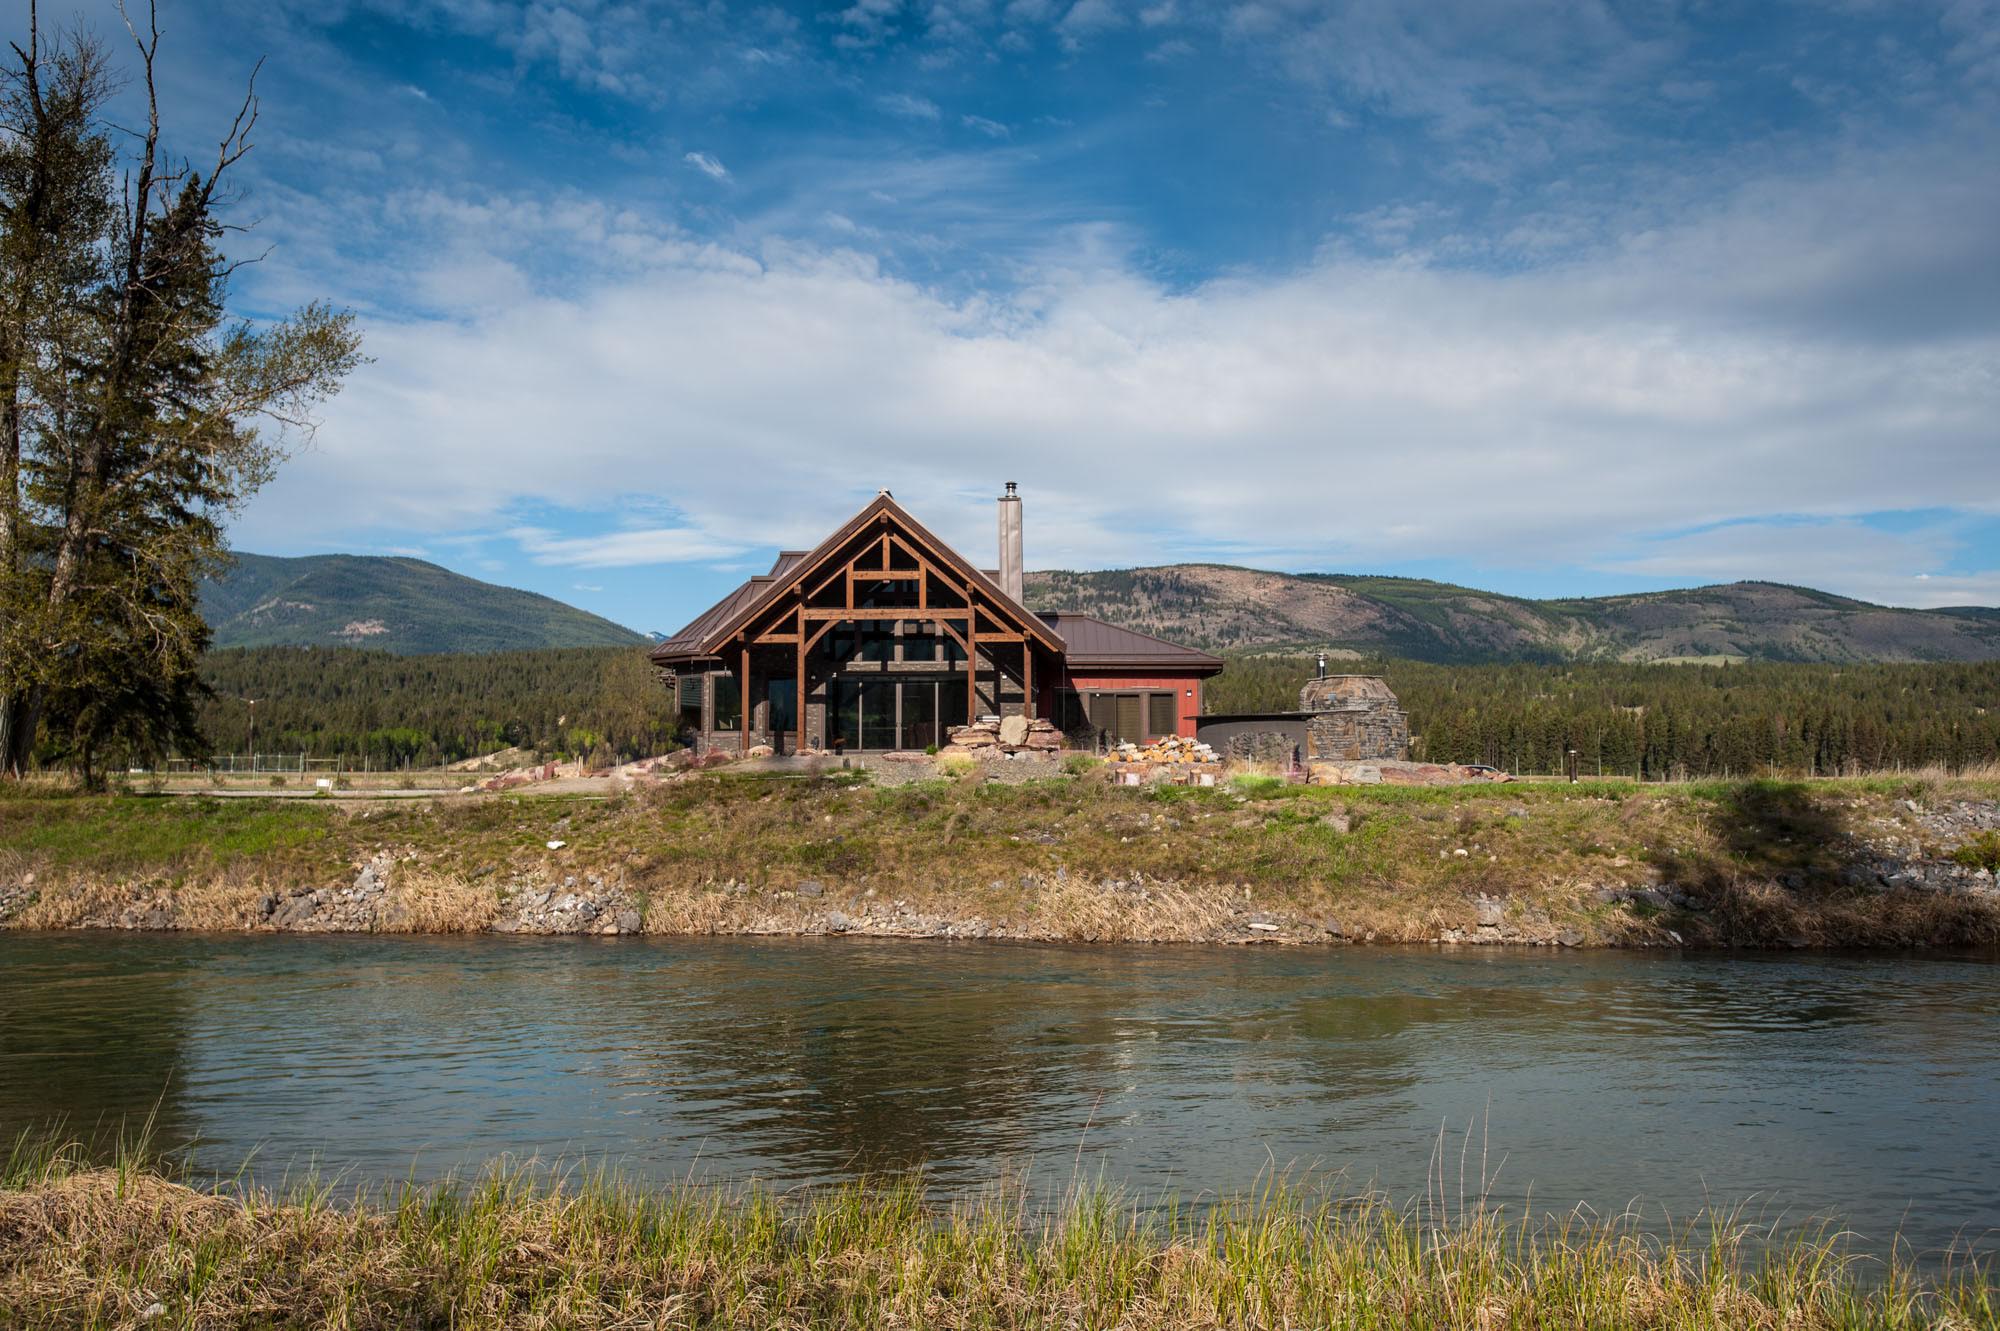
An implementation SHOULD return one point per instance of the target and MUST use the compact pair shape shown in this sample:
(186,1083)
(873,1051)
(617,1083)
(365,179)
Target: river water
(1865,1088)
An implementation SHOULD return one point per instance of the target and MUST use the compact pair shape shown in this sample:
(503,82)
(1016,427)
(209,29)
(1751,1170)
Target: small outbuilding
(1341,719)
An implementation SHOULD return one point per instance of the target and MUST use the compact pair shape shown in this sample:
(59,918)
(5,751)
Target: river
(1865,1088)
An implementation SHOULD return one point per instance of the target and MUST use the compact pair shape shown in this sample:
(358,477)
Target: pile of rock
(587,908)
(1388,773)
(1165,749)
(1010,735)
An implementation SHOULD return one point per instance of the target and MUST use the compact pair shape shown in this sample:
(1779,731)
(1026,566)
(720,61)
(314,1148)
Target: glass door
(920,727)
(843,715)
(781,693)
(878,713)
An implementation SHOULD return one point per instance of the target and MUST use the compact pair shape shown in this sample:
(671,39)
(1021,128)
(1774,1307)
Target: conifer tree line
(600,704)
(1656,722)
(1660,722)
(135,415)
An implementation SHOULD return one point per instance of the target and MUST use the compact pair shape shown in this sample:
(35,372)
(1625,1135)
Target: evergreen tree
(133,410)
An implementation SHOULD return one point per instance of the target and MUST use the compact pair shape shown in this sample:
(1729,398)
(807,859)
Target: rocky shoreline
(1899,879)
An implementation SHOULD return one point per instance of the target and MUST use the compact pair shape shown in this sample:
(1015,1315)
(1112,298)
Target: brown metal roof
(1094,642)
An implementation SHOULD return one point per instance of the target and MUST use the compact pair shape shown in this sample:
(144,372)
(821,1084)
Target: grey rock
(838,922)
(1489,912)
(628,921)
(1569,938)
(1332,929)
(810,889)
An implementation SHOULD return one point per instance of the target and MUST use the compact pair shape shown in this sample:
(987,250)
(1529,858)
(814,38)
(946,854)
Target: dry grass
(424,901)
(123,1247)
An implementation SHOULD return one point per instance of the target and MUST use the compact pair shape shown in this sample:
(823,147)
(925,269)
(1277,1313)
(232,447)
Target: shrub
(1080,764)
(1982,852)
(957,766)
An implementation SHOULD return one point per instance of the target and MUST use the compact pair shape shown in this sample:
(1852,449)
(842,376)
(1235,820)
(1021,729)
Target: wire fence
(280,764)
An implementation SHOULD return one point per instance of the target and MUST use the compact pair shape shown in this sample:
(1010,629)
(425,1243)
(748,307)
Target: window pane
(918,643)
(780,692)
(843,715)
(688,691)
(728,700)
(951,705)
(920,729)
(1163,714)
(878,714)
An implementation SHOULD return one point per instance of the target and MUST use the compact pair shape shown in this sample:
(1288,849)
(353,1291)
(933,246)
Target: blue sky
(1551,298)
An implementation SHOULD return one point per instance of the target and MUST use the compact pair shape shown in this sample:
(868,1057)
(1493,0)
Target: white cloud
(707,165)
(908,106)
(1886,567)
(1713,370)
(619,549)
(992,129)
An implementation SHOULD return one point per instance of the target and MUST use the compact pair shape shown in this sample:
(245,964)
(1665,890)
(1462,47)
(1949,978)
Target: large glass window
(920,728)
(878,714)
(878,643)
(781,694)
(919,644)
(1163,714)
(843,715)
(728,700)
(687,690)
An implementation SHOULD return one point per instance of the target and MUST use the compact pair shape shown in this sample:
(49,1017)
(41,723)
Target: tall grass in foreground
(125,1246)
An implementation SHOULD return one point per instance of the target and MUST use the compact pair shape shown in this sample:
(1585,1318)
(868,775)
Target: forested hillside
(1668,721)
(1223,608)
(390,605)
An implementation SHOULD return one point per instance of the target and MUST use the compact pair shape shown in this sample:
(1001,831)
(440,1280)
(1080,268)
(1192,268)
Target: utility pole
(253,732)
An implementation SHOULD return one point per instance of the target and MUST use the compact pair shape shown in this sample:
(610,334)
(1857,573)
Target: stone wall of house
(1353,718)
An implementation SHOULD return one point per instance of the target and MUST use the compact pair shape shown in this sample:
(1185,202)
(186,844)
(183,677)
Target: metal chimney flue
(1010,542)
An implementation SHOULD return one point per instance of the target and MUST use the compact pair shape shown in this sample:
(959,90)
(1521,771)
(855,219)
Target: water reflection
(1808,1085)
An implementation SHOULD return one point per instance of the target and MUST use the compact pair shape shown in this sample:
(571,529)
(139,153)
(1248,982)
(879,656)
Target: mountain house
(883,637)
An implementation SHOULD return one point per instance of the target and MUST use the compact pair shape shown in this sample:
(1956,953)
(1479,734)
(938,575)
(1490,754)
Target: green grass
(133,834)
(126,1245)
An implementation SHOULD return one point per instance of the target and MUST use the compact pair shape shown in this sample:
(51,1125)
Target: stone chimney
(1010,542)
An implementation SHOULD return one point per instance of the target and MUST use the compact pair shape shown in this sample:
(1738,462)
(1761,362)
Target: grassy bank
(1888,861)
(127,1246)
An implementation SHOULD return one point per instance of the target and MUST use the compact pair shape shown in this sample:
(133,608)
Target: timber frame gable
(882,543)
(879,570)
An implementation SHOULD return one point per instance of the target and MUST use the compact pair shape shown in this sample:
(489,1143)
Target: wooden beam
(771,639)
(799,695)
(971,669)
(826,627)
(1028,680)
(743,708)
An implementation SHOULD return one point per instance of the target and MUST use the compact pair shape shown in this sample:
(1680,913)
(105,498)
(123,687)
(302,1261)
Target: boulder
(1014,731)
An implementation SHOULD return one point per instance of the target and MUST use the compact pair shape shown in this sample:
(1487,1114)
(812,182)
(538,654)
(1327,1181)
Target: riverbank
(94,1248)
(1868,862)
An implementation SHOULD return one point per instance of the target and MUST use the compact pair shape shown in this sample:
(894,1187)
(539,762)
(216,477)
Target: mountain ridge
(1225,607)
(391,603)
(414,607)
